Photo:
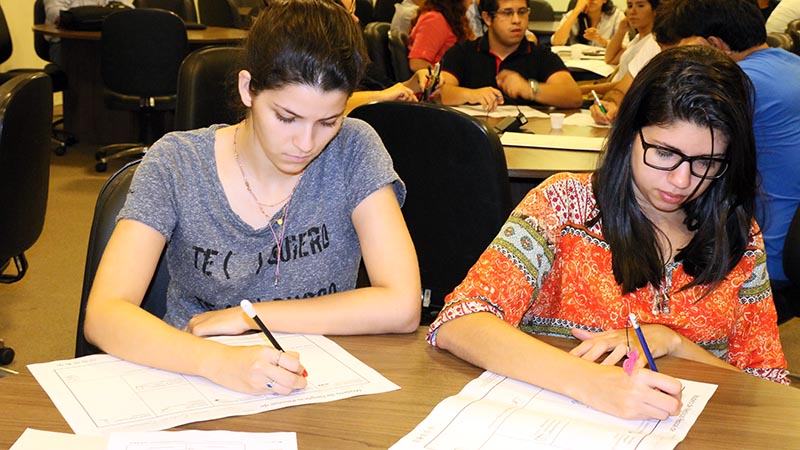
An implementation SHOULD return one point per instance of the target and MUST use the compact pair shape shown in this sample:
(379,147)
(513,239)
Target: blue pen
(646,349)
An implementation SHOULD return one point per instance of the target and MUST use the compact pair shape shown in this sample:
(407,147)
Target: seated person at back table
(591,22)
(279,209)
(438,25)
(52,10)
(664,229)
(503,63)
(375,87)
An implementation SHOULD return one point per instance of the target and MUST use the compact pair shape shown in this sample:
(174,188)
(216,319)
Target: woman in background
(591,22)
(438,25)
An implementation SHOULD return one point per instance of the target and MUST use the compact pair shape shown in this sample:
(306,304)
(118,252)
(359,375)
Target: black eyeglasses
(707,167)
(508,13)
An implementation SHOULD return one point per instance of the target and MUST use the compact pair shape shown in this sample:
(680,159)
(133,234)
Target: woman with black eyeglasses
(664,230)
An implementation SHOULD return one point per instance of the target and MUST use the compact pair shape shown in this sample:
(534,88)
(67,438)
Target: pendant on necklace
(279,221)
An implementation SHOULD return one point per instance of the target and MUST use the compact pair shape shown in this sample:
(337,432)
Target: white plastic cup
(556,120)
(576,52)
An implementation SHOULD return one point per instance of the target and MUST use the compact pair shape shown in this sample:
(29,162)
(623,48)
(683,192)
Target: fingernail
(305,373)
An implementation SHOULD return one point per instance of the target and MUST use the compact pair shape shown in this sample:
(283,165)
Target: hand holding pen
(432,82)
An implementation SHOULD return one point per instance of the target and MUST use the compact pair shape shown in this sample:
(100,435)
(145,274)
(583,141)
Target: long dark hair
(454,12)
(311,42)
(703,86)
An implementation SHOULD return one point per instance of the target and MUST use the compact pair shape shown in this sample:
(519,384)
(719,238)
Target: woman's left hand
(225,322)
(660,339)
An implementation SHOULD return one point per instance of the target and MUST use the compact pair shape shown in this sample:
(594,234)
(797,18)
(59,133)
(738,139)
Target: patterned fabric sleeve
(507,277)
(755,345)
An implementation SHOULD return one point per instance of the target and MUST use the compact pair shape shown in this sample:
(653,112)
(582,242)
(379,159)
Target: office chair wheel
(6,354)
(101,167)
(61,149)
(99,155)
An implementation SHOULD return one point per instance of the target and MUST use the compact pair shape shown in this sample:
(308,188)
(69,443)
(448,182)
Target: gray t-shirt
(215,259)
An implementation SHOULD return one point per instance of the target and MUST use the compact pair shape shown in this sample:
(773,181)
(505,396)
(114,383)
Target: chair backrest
(219,13)
(109,202)
(206,85)
(183,8)
(6,46)
(398,48)
(376,37)
(364,12)
(791,250)
(26,112)
(383,11)
(141,52)
(40,44)
(455,171)
(541,10)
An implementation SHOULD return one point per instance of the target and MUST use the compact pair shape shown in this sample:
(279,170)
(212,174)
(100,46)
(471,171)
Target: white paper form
(48,440)
(201,440)
(501,111)
(493,412)
(557,141)
(98,394)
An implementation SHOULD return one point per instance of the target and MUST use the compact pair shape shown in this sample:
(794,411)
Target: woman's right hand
(608,117)
(255,370)
(643,395)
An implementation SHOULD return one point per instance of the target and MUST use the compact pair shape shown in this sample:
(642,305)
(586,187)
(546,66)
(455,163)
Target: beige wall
(19,15)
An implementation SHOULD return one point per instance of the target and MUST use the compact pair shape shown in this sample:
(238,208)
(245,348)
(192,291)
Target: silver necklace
(281,221)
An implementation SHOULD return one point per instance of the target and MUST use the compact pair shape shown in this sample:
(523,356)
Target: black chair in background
(26,113)
(376,38)
(787,299)
(364,12)
(183,8)
(220,13)
(455,170)
(109,202)
(398,49)
(383,10)
(141,53)
(58,77)
(206,88)
(541,11)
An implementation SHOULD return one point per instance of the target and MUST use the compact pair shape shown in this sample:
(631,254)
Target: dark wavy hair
(311,42)
(454,12)
(737,22)
(583,20)
(703,86)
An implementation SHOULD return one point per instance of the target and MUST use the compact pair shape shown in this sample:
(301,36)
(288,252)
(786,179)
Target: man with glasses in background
(503,66)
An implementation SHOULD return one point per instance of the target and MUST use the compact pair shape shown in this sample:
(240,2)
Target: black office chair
(183,8)
(541,10)
(220,13)
(376,38)
(398,49)
(455,171)
(787,300)
(383,10)
(109,202)
(26,113)
(141,51)
(206,87)
(364,12)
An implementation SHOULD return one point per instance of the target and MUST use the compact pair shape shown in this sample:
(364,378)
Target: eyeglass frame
(705,176)
(508,13)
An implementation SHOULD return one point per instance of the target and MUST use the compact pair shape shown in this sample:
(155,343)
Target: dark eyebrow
(290,112)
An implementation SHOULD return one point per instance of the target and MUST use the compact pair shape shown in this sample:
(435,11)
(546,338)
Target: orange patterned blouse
(546,273)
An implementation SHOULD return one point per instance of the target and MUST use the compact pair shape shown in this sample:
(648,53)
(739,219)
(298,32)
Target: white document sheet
(98,394)
(501,111)
(493,412)
(201,440)
(557,141)
(583,119)
(49,440)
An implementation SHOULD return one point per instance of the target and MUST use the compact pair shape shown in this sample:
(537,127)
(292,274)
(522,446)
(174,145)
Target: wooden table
(745,412)
(85,113)
(538,163)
